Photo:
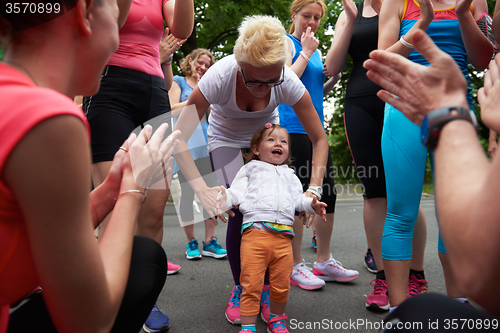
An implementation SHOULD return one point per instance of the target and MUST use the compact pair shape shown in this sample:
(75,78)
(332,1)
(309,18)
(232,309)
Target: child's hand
(319,208)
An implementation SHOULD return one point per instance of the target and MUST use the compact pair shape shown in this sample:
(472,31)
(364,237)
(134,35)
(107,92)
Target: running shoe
(370,264)
(192,251)
(172,268)
(265,310)
(277,325)
(233,306)
(213,249)
(379,297)
(303,277)
(313,242)
(332,270)
(246,331)
(416,286)
(156,322)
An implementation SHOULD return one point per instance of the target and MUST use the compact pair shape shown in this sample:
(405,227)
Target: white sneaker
(332,270)
(303,277)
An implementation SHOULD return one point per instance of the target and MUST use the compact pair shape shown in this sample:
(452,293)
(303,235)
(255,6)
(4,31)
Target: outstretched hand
(209,198)
(415,89)
(319,207)
(489,96)
(221,203)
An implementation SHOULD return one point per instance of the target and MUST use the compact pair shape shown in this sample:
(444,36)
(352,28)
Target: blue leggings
(404,162)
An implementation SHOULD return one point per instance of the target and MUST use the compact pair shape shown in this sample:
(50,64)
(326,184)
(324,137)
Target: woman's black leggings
(148,271)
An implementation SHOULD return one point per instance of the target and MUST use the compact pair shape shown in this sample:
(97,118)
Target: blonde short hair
(261,41)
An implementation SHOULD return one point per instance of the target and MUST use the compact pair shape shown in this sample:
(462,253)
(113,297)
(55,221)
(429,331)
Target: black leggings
(126,100)
(438,313)
(301,152)
(148,271)
(364,120)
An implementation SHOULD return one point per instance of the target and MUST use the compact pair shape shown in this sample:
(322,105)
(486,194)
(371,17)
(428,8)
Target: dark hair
(257,139)
(17,17)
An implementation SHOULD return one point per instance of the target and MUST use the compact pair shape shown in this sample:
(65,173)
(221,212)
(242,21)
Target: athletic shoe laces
(265,297)
(379,286)
(278,325)
(193,245)
(235,300)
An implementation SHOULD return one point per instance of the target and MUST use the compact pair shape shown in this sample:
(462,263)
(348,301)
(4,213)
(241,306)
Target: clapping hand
(168,45)
(489,96)
(150,154)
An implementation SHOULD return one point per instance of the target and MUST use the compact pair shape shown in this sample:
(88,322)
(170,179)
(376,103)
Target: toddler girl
(268,193)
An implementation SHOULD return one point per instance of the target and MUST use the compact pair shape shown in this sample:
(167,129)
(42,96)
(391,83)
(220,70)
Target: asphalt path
(196,297)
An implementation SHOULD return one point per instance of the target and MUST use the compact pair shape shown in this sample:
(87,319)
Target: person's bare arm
(83,284)
(304,109)
(479,48)
(390,17)
(337,55)
(124,8)
(175,97)
(179,15)
(496,21)
(309,46)
(467,185)
(188,120)
(492,143)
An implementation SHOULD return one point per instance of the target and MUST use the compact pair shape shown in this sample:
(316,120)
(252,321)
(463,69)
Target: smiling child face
(273,148)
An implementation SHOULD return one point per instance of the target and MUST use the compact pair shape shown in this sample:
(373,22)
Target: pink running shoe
(277,325)
(233,306)
(332,270)
(172,268)
(416,286)
(379,298)
(265,310)
(303,277)
(246,331)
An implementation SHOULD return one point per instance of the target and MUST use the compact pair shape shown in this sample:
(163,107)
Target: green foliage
(216,24)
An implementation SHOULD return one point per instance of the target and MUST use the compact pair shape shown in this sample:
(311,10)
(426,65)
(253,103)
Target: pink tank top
(140,38)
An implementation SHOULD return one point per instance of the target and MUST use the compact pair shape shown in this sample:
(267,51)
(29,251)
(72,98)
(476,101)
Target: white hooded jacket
(268,193)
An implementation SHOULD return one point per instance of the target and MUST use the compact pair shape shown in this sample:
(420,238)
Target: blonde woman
(243,91)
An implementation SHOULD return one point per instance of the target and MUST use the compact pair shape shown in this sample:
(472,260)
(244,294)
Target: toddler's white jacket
(269,193)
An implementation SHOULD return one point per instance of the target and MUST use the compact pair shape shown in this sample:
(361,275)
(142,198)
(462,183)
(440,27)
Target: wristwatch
(316,190)
(436,119)
(168,60)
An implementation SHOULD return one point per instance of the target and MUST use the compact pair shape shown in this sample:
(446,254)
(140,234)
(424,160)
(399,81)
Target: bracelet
(405,43)
(313,191)
(133,191)
(169,60)
(302,53)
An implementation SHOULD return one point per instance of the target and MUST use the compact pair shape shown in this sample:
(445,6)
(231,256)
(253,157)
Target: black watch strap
(436,119)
